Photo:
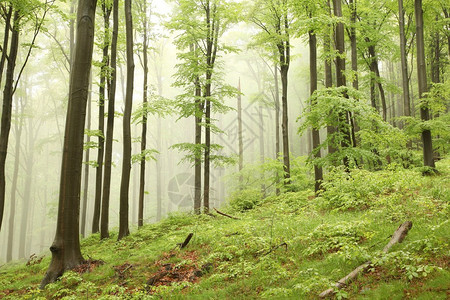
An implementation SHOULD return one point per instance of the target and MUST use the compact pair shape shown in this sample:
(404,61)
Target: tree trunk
(159,179)
(331,130)
(5,41)
(340,70)
(8,92)
(404,62)
(261,148)
(101,119)
(422,80)
(126,162)
(240,138)
(104,232)
(144,121)
(318,172)
(206,165)
(285,124)
(86,166)
(18,126)
(277,122)
(66,253)
(352,4)
(198,116)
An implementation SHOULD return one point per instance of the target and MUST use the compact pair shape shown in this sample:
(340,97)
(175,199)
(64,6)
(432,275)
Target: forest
(225,149)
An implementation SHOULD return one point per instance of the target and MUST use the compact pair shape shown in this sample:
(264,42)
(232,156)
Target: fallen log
(398,237)
(225,215)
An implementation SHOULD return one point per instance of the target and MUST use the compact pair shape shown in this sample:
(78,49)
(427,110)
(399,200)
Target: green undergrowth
(291,246)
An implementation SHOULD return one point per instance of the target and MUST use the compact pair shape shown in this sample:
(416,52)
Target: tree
(404,62)
(274,19)
(104,233)
(66,253)
(126,162)
(144,27)
(318,173)
(422,82)
(22,12)
(106,13)
(203,23)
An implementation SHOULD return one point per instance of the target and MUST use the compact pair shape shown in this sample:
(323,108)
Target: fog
(38,121)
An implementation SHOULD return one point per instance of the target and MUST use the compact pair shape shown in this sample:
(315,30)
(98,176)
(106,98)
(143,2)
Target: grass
(326,238)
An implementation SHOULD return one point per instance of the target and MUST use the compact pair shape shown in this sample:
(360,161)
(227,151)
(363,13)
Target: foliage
(245,200)
(377,142)
(326,237)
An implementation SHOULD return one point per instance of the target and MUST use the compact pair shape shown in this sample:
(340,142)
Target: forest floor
(292,246)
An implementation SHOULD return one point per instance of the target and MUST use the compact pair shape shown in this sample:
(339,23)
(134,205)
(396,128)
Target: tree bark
(101,119)
(422,82)
(277,122)
(104,232)
(340,70)
(331,130)
(352,4)
(8,92)
(5,41)
(404,62)
(198,140)
(86,166)
(126,162)
(66,253)
(318,172)
(144,120)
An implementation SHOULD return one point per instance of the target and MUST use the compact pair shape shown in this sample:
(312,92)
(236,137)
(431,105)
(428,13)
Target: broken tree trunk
(398,237)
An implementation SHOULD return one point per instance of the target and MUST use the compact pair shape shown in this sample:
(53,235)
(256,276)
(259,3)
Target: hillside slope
(291,246)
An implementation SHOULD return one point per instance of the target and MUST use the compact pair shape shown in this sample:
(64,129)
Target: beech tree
(104,78)
(422,82)
(18,14)
(126,162)
(104,232)
(274,18)
(66,253)
(203,23)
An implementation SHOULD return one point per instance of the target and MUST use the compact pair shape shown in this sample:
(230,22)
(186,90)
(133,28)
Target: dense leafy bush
(245,199)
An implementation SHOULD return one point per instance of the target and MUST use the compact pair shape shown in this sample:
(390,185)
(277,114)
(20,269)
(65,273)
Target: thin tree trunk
(240,138)
(18,125)
(104,232)
(285,124)
(277,122)
(8,92)
(5,41)
(404,62)
(352,4)
(318,172)
(66,252)
(206,165)
(144,121)
(86,166)
(261,148)
(331,130)
(126,162)
(422,80)
(101,120)
(340,70)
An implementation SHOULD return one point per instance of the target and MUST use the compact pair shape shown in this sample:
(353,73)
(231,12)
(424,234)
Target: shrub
(245,199)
